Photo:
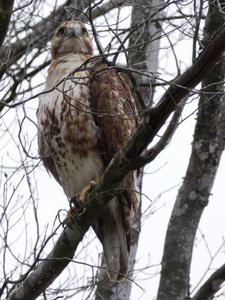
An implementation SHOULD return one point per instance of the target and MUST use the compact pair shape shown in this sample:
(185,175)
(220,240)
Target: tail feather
(115,251)
(114,241)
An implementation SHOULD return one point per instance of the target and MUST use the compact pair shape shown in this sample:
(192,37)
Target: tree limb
(212,285)
(153,152)
(5,15)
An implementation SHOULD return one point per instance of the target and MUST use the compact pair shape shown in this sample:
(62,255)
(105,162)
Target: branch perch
(212,285)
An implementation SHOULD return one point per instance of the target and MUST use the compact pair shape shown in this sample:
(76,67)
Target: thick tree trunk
(193,196)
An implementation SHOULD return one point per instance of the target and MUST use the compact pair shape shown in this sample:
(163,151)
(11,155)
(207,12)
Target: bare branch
(153,152)
(211,286)
(5,15)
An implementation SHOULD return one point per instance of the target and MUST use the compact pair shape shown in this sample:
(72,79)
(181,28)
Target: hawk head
(71,37)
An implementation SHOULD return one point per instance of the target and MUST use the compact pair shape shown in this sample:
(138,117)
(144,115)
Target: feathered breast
(67,133)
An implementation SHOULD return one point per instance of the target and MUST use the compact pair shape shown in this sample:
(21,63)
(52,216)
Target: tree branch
(212,285)
(5,15)
(153,152)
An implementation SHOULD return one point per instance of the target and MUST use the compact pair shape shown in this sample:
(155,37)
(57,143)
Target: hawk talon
(75,202)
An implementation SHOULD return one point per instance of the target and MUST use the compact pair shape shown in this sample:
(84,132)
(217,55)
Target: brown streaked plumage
(82,123)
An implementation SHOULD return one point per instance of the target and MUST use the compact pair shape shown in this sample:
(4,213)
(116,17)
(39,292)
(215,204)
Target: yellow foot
(86,190)
(78,201)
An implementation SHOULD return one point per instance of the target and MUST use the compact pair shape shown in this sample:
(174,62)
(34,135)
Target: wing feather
(47,158)
(114,112)
(113,107)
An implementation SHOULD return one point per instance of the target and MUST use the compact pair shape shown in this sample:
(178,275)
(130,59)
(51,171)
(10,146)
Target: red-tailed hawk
(84,117)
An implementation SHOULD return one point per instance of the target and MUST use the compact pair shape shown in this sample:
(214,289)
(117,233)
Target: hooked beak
(73,33)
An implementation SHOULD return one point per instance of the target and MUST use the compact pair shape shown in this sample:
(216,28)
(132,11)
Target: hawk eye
(61,31)
(84,31)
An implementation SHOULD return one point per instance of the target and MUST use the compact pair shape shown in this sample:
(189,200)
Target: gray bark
(212,285)
(194,193)
(5,15)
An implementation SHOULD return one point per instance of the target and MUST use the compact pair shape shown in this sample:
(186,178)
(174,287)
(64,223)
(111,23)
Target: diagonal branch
(212,285)
(153,152)
(124,161)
